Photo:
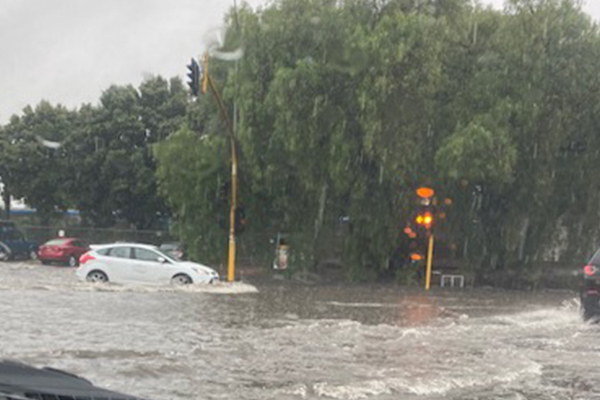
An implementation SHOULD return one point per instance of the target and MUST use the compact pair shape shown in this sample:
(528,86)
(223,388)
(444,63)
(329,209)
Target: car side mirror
(161,260)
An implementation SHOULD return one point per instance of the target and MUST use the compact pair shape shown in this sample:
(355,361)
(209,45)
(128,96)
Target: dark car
(20,381)
(590,293)
(63,250)
(175,250)
(13,243)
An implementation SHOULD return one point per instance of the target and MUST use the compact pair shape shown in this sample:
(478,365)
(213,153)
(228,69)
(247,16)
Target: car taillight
(590,270)
(85,258)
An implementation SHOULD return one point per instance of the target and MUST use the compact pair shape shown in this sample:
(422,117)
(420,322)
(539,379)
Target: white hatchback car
(139,263)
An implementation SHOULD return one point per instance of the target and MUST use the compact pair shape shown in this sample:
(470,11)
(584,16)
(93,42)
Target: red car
(63,250)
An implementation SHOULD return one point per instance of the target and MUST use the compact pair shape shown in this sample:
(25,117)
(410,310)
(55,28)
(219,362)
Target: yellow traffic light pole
(429,261)
(208,82)
(426,193)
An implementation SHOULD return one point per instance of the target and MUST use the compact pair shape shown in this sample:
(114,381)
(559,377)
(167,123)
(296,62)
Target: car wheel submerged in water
(97,277)
(73,261)
(181,279)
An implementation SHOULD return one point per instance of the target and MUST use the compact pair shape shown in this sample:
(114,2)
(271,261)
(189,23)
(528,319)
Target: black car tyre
(45,262)
(97,277)
(181,279)
(73,261)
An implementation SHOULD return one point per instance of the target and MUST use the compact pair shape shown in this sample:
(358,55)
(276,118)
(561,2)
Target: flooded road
(285,342)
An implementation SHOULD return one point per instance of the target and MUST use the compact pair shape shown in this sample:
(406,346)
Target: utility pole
(231,253)
(206,84)
(429,261)
(426,220)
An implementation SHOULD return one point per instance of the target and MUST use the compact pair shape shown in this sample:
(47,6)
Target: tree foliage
(346,107)
(97,159)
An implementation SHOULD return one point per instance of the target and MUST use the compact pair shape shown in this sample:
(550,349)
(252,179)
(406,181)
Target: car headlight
(199,271)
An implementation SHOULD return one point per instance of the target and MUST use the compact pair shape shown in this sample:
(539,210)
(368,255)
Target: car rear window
(103,252)
(56,242)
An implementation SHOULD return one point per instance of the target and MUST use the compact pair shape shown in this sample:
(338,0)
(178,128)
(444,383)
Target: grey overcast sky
(68,51)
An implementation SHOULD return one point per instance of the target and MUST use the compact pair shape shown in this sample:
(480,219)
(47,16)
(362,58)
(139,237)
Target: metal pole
(231,258)
(429,262)
(231,252)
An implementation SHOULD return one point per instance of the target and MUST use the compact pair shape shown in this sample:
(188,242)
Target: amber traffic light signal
(424,219)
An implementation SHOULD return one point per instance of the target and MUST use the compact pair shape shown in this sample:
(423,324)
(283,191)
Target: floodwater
(280,341)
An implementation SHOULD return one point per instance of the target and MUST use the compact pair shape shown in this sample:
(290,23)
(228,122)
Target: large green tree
(34,167)
(110,152)
(344,108)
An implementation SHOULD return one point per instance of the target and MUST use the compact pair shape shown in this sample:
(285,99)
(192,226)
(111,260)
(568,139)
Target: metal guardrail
(452,279)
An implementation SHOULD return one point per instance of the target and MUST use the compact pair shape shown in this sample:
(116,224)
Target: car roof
(123,244)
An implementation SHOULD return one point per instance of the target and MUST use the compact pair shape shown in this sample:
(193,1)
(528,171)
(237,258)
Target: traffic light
(424,219)
(416,256)
(240,220)
(427,219)
(194,75)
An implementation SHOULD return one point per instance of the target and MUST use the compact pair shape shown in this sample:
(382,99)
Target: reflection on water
(421,309)
(294,342)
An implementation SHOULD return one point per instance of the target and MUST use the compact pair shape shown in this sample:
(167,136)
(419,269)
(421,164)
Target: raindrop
(214,37)
(48,143)
(214,40)
(227,56)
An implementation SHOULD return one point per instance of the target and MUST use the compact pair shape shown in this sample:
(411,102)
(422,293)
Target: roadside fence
(41,234)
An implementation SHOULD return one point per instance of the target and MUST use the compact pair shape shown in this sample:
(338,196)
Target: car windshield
(303,199)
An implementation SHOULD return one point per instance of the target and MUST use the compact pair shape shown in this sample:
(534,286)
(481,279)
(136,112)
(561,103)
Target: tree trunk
(319,220)
(523,238)
(6,199)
